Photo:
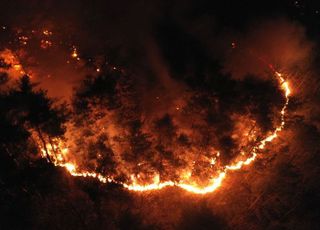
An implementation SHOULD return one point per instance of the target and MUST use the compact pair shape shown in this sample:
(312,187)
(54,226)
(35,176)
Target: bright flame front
(57,154)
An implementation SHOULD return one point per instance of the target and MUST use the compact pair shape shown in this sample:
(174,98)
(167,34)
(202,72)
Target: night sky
(159,114)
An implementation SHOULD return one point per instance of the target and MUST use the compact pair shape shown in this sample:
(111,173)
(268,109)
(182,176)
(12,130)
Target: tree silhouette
(24,110)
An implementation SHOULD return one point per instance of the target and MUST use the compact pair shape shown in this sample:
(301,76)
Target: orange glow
(17,67)
(58,154)
(47,32)
(45,44)
(14,69)
(74,53)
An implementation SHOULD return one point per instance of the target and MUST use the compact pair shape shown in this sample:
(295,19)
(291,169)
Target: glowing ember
(45,44)
(74,53)
(47,33)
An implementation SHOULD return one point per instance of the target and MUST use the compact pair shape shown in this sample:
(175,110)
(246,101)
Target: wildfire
(58,154)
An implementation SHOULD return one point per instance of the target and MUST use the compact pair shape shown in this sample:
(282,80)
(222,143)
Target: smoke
(281,43)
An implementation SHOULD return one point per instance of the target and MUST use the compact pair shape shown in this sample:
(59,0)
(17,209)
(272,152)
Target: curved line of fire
(194,188)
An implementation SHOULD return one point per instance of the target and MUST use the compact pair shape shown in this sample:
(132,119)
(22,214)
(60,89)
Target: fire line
(58,159)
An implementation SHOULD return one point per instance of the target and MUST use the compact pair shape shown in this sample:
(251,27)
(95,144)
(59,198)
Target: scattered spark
(44,44)
(47,33)
(23,40)
(74,53)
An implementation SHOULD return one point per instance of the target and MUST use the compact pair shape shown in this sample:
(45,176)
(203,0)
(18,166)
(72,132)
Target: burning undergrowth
(179,123)
(156,131)
(189,136)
